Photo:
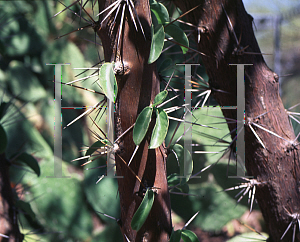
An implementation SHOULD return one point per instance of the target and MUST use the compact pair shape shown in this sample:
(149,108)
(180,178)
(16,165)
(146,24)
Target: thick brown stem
(278,164)
(138,84)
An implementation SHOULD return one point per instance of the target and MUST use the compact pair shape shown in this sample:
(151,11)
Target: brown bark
(278,164)
(8,213)
(138,84)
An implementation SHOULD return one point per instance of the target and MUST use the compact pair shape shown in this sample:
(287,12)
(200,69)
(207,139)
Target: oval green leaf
(30,161)
(157,42)
(178,35)
(98,144)
(160,11)
(108,81)
(143,210)
(160,129)
(141,125)
(3,140)
(186,163)
(175,236)
(159,98)
(189,236)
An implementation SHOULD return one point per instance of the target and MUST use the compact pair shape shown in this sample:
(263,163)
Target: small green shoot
(159,98)
(189,236)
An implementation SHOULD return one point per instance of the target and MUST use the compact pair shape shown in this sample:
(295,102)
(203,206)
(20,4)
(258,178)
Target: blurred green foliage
(66,209)
(51,209)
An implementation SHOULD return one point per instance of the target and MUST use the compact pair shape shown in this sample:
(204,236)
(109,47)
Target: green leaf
(62,201)
(3,139)
(160,129)
(175,236)
(3,108)
(186,163)
(189,236)
(173,180)
(104,191)
(159,98)
(141,125)
(178,35)
(160,11)
(154,20)
(94,147)
(211,202)
(143,210)
(30,161)
(157,42)
(26,208)
(108,81)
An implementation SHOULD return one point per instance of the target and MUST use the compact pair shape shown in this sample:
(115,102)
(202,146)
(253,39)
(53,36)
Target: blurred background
(277,31)
(71,209)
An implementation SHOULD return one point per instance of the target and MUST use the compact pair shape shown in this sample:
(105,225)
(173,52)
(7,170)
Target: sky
(269,6)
